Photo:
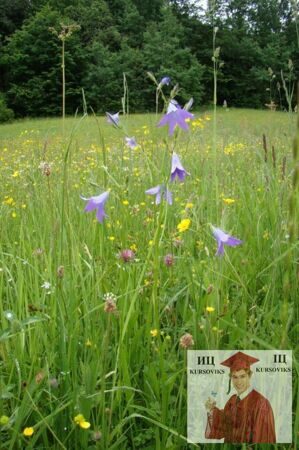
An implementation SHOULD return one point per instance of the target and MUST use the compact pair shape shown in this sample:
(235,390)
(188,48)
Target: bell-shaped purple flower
(177,170)
(131,142)
(98,203)
(160,192)
(165,81)
(222,239)
(175,116)
(113,119)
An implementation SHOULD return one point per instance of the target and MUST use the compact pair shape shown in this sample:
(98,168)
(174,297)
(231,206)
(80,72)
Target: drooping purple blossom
(165,81)
(222,239)
(177,170)
(98,203)
(113,119)
(175,116)
(160,192)
(131,142)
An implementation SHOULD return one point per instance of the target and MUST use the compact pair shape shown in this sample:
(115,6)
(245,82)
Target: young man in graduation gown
(247,416)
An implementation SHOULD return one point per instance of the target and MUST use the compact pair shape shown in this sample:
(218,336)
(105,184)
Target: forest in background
(256,43)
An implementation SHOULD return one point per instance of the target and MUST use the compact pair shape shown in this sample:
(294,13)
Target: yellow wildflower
(28,431)
(9,201)
(229,149)
(184,225)
(80,420)
(125,202)
(210,309)
(154,333)
(84,424)
(228,201)
(189,205)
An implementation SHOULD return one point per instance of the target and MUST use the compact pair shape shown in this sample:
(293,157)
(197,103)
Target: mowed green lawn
(78,372)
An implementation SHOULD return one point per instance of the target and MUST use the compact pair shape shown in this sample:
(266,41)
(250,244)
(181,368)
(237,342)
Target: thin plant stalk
(104,152)
(125,98)
(65,32)
(63,83)
(214,141)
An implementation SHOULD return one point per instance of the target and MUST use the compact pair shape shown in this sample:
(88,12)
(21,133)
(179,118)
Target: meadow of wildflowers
(180,250)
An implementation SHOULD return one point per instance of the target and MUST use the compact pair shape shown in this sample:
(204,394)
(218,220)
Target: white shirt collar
(245,393)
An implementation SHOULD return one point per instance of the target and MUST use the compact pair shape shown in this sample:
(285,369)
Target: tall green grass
(61,354)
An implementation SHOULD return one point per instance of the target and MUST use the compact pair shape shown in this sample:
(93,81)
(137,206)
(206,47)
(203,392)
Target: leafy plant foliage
(172,38)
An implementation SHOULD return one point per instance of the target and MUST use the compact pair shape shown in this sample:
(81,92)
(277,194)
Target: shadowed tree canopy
(258,42)
(12,16)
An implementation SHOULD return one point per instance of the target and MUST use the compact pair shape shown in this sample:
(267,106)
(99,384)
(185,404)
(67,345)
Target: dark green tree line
(257,40)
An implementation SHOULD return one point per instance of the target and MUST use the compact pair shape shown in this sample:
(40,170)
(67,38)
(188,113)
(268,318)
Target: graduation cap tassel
(229,385)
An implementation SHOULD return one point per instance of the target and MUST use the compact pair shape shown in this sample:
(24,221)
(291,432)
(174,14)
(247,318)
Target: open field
(64,349)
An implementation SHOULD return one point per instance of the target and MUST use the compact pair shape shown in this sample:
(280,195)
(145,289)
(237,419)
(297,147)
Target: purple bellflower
(113,119)
(97,202)
(175,116)
(177,170)
(165,81)
(224,238)
(131,142)
(160,192)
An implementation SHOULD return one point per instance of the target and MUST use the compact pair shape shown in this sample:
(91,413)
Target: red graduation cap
(239,361)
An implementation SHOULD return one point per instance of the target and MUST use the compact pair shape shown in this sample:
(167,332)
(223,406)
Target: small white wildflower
(9,315)
(109,296)
(110,303)
(46,285)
